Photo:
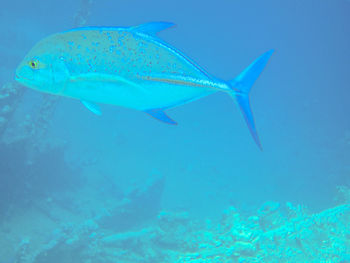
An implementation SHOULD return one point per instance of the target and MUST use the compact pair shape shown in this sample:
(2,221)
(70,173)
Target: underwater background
(123,187)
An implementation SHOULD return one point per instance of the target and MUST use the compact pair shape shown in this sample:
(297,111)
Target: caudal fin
(241,86)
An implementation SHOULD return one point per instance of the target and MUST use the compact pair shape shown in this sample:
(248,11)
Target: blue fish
(129,67)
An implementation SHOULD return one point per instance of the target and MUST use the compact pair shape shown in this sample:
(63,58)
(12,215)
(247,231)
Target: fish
(130,67)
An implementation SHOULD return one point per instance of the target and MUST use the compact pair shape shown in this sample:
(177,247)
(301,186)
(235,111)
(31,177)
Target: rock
(245,248)
(126,239)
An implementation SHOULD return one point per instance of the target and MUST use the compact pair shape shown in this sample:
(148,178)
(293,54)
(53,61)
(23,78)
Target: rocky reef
(274,233)
(276,237)
(50,213)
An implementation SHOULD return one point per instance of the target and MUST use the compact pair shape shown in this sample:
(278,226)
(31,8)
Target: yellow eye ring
(33,64)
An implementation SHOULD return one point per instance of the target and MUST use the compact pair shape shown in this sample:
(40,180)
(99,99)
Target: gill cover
(60,71)
(59,77)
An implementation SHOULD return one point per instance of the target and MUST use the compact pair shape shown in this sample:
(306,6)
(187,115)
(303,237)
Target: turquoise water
(123,187)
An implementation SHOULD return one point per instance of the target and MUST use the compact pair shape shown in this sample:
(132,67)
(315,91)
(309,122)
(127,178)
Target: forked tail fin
(241,86)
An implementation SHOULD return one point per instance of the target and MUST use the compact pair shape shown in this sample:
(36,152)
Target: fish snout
(23,73)
(17,77)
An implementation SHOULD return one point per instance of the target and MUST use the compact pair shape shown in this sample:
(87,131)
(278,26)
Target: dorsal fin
(152,28)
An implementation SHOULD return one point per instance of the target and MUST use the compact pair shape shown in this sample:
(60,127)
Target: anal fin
(160,115)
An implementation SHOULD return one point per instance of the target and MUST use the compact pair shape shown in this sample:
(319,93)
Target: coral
(172,231)
(299,238)
(293,236)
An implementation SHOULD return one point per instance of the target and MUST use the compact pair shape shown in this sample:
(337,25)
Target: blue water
(209,161)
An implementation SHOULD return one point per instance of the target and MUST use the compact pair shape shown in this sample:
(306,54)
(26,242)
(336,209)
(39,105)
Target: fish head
(43,69)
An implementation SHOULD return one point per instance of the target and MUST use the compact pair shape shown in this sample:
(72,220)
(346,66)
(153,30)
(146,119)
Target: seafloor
(52,231)
(68,214)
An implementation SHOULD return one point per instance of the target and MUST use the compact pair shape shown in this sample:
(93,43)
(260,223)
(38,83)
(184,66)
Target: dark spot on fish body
(122,34)
(112,48)
(109,36)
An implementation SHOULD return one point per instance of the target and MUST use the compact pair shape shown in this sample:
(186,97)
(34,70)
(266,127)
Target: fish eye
(33,64)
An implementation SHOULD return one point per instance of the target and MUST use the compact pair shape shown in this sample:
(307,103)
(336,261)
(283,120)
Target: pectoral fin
(160,115)
(92,107)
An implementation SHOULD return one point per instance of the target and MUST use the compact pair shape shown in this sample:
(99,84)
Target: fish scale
(131,55)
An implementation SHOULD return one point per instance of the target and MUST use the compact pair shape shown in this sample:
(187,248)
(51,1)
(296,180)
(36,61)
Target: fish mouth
(17,75)
(19,79)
